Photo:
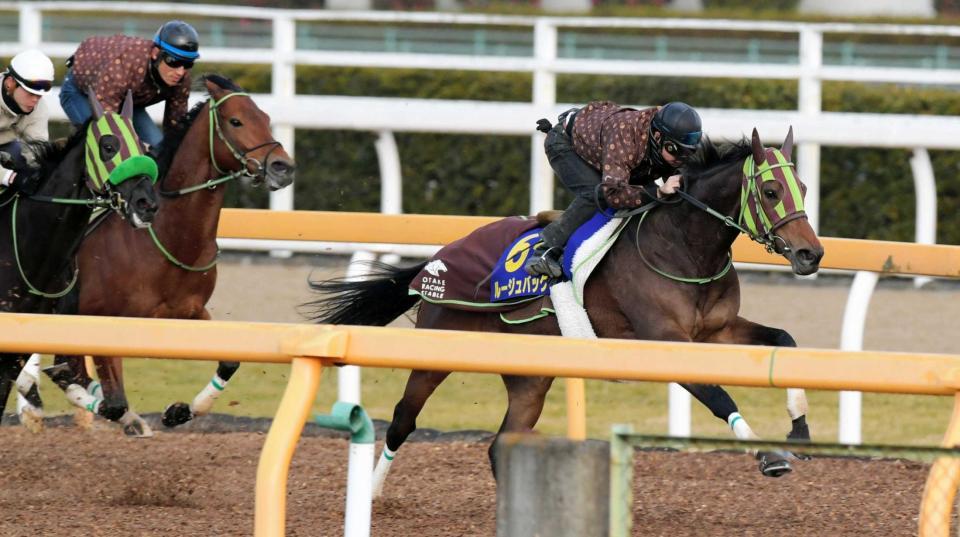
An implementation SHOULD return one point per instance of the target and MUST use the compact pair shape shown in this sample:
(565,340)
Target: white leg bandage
(204,400)
(796,403)
(740,428)
(29,375)
(77,395)
(381,470)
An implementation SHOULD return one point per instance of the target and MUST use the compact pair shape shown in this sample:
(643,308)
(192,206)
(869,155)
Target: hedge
(865,193)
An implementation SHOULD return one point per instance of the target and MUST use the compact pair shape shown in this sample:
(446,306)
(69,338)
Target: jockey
(157,70)
(23,115)
(630,147)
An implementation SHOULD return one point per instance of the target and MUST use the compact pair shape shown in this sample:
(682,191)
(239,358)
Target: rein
(16,256)
(748,189)
(257,174)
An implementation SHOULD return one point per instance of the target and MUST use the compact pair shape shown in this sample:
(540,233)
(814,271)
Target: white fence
(386,116)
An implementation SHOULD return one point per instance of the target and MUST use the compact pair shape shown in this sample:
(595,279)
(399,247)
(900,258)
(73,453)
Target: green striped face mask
(775,175)
(113,152)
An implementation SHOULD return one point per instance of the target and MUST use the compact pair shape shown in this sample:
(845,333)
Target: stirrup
(545,262)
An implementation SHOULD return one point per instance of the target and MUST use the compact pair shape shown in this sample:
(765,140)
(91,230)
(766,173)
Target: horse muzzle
(805,261)
(141,207)
(280,173)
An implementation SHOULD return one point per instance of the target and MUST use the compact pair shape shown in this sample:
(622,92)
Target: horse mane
(47,155)
(174,137)
(712,157)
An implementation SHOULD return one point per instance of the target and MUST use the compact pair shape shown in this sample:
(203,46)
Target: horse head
(116,164)
(243,132)
(772,206)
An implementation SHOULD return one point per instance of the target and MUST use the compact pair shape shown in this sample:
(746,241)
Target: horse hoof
(774,465)
(176,414)
(138,429)
(83,419)
(32,420)
(112,413)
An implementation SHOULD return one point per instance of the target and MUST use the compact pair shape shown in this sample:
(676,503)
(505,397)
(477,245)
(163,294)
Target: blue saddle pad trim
(583,233)
(510,281)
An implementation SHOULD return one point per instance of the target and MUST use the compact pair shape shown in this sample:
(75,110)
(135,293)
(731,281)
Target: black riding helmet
(179,40)
(678,123)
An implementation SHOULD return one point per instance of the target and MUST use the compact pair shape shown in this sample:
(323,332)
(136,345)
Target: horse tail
(374,300)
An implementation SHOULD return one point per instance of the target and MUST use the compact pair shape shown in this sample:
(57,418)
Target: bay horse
(101,165)
(171,271)
(674,281)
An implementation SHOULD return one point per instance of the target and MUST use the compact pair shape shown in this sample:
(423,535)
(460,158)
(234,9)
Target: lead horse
(171,271)
(672,281)
(101,165)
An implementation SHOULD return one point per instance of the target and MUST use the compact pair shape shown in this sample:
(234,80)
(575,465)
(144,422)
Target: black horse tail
(373,300)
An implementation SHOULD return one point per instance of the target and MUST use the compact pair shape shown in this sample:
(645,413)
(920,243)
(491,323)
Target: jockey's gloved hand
(544,125)
(27,182)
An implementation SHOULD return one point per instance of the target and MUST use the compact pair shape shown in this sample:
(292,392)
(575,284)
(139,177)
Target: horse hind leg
(525,398)
(420,386)
(179,413)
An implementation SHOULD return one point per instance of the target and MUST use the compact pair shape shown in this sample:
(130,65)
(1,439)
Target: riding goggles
(38,87)
(176,63)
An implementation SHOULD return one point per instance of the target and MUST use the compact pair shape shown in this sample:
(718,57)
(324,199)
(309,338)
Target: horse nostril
(280,167)
(807,256)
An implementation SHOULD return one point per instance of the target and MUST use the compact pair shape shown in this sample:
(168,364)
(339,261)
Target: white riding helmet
(33,70)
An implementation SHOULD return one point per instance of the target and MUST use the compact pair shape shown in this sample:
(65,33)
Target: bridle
(258,174)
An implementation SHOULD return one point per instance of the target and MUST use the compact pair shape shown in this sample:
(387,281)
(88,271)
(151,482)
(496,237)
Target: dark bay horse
(172,270)
(101,165)
(636,291)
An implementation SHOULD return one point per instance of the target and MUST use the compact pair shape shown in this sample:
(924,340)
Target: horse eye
(109,146)
(770,194)
(235,122)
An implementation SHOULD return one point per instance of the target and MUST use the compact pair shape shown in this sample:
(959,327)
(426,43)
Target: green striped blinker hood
(120,157)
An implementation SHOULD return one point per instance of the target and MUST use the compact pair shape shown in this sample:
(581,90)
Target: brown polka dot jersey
(613,139)
(112,65)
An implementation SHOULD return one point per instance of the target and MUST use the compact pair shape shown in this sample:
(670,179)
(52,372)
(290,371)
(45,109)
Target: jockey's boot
(545,261)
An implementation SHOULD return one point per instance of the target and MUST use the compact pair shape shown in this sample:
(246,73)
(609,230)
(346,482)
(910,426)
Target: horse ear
(214,90)
(127,110)
(95,107)
(787,148)
(759,154)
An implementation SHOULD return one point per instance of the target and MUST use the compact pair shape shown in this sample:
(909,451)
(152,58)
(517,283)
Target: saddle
(483,272)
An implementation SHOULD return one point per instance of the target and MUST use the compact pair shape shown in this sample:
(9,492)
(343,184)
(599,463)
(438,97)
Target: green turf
(470,401)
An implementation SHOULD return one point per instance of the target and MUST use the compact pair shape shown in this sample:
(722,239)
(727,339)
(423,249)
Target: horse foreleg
(525,397)
(179,413)
(420,386)
(745,332)
(115,405)
(29,404)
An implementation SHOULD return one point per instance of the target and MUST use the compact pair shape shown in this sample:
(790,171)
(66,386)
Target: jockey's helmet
(33,71)
(680,130)
(179,40)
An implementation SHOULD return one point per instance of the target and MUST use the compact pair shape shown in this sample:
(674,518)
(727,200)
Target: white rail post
(809,96)
(284,88)
(679,402)
(391,181)
(925,188)
(851,339)
(544,99)
(348,376)
(31,25)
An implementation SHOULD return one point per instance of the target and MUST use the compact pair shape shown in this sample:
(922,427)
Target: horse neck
(49,233)
(191,218)
(705,239)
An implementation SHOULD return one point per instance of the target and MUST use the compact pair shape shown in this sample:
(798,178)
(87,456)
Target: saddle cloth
(484,270)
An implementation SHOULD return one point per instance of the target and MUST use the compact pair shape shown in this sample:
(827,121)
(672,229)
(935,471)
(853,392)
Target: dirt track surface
(67,482)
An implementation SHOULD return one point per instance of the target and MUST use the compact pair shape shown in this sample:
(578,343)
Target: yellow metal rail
(847,254)
(309,347)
